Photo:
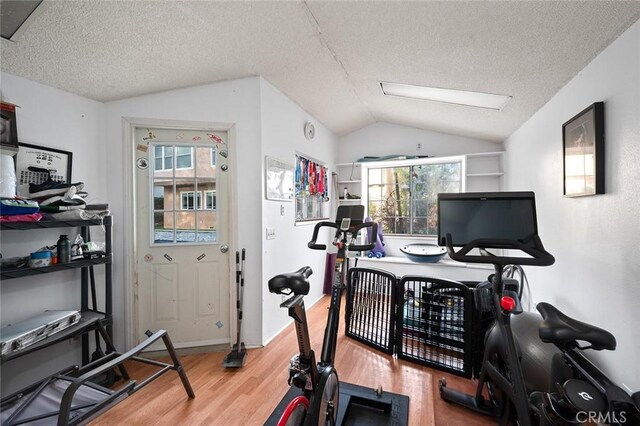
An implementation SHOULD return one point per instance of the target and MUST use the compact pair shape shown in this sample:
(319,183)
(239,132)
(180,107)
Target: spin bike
(573,391)
(318,403)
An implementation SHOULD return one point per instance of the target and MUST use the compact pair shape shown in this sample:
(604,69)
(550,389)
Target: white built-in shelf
(484,171)
(349,176)
(485,174)
(486,154)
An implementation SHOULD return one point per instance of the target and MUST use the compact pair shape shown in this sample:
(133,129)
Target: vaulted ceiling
(326,56)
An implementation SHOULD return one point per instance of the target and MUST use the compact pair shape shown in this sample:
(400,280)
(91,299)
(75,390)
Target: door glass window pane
(163,230)
(185,227)
(163,159)
(163,194)
(184,157)
(207,226)
(184,198)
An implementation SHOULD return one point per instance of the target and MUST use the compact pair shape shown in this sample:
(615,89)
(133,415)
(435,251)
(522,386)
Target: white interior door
(182,233)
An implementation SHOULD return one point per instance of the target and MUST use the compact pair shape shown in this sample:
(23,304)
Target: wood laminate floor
(247,396)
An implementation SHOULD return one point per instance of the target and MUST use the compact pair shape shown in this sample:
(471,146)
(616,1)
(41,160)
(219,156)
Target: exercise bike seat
(293,282)
(562,330)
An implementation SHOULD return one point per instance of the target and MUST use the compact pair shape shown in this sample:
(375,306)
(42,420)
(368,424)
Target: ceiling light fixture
(449,96)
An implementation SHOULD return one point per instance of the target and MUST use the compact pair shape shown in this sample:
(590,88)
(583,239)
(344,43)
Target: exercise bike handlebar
(343,233)
(312,244)
(539,256)
(371,244)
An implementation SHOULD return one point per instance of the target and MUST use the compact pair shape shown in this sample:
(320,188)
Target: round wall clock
(309,131)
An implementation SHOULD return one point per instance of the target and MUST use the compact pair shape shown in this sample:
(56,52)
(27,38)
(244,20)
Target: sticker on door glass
(142,163)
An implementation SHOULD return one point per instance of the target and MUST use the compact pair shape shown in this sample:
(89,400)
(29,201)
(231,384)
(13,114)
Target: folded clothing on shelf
(84,214)
(14,206)
(72,199)
(50,187)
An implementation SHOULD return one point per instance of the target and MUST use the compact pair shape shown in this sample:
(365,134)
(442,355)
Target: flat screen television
(493,215)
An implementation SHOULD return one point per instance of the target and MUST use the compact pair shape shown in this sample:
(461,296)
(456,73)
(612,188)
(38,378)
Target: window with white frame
(311,189)
(188,199)
(402,196)
(210,200)
(163,157)
(184,157)
(213,156)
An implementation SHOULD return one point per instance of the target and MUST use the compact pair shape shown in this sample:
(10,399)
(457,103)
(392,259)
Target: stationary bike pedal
(298,380)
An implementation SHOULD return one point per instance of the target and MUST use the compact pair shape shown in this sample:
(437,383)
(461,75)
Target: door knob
(224,248)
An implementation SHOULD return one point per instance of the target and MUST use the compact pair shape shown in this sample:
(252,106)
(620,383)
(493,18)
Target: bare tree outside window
(404,199)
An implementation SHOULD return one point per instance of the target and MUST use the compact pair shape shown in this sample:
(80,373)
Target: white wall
(227,102)
(282,137)
(94,132)
(596,277)
(382,139)
(52,118)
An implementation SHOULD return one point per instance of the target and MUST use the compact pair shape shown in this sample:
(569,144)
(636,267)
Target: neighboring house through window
(210,200)
(163,157)
(187,200)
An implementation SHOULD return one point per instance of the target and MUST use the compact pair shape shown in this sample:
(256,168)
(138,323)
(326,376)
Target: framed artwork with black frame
(8,127)
(583,152)
(30,158)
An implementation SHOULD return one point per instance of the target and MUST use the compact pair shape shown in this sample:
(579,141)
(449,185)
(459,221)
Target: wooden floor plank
(248,395)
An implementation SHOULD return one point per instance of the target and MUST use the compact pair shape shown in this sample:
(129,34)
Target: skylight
(450,96)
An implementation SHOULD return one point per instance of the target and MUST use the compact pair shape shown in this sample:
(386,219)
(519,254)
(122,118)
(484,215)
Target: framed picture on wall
(583,152)
(8,127)
(35,164)
(279,180)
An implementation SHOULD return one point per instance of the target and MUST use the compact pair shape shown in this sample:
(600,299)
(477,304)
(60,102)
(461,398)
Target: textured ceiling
(326,56)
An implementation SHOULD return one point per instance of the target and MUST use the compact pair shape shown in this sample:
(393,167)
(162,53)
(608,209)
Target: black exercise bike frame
(296,308)
(514,386)
(618,400)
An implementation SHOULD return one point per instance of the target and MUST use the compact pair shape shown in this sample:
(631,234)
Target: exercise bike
(318,381)
(522,390)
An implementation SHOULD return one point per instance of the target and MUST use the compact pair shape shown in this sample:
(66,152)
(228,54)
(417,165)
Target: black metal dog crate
(424,320)
(371,308)
(436,324)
